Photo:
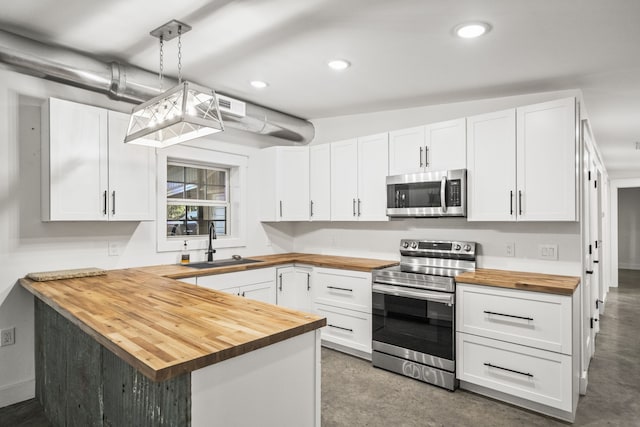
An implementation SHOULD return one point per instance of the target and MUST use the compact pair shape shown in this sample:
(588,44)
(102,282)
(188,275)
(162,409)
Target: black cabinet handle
(113,203)
(589,271)
(508,315)
(340,327)
(339,289)
(526,374)
(308,281)
(595,261)
(520,201)
(104,211)
(511,202)
(280,277)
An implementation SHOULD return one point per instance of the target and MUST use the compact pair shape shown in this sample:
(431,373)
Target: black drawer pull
(340,327)
(526,374)
(339,289)
(509,315)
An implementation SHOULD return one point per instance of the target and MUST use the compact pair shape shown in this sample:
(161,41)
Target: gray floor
(356,394)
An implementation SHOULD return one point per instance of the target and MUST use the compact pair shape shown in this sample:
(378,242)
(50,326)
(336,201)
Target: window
(197,197)
(198,186)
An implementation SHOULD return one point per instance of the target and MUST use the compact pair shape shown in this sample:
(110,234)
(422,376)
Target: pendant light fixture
(184,112)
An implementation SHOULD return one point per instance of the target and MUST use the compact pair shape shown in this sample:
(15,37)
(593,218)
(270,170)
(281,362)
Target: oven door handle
(445,298)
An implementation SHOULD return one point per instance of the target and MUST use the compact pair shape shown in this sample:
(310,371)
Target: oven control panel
(441,248)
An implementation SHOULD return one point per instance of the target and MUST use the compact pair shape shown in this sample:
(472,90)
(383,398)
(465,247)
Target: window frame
(204,202)
(237,196)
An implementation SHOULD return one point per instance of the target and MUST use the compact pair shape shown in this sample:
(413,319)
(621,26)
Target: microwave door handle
(397,199)
(443,189)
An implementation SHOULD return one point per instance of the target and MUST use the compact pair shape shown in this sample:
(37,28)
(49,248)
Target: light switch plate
(548,251)
(510,249)
(7,336)
(114,248)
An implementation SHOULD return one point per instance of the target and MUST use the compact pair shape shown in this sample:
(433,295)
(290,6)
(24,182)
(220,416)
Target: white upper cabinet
(344,180)
(406,150)
(320,182)
(373,164)
(491,166)
(86,167)
(132,188)
(358,172)
(438,146)
(446,144)
(285,184)
(547,161)
(522,165)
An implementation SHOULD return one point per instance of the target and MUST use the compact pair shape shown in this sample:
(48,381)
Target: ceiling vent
(232,106)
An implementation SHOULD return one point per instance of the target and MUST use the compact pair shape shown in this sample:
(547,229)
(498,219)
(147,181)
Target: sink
(221,263)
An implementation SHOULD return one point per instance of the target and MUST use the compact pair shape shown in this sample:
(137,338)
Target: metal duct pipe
(132,84)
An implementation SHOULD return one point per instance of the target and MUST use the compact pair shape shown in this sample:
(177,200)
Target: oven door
(414,324)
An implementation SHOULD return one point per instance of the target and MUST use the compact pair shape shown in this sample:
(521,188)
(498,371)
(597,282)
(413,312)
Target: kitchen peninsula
(135,348)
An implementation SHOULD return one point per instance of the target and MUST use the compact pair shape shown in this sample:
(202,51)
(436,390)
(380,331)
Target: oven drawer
(537,375)
(346,327)
(529,318)
(343,288)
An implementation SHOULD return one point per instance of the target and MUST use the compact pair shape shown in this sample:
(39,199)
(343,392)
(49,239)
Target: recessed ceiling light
(472,30)
(339,64)
(259,84)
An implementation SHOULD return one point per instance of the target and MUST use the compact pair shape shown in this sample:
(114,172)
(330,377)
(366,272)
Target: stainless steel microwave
(427,194)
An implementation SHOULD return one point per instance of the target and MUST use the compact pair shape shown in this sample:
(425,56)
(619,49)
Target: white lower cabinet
(294,287)
(256,284)
(537,375)
(519,346)
(344,297)
(347,328)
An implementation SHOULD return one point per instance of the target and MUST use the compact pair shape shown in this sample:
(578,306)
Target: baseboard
(18,392)
(584,381)
(628,266)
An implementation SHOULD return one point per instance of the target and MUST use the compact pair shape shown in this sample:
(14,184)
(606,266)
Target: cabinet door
(373,161)
(292,183)
(294,288)
(74,161)
(320,182)
(265,292)
(406,150)
(547,161)
(132,171)
(446,145)
(344,180)
(491,167)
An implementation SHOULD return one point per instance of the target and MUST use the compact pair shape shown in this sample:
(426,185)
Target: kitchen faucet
(212,237)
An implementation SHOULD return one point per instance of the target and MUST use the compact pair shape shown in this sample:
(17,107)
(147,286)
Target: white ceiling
(403,52)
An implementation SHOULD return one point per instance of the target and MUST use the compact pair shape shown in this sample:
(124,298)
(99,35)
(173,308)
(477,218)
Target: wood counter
(176,271)
(552,284)
(165,328)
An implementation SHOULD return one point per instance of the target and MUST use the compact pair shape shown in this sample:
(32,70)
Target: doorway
(629,236)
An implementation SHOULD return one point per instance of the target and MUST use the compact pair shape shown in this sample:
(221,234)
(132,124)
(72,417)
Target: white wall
(629,228)
(27,244)
(380,240)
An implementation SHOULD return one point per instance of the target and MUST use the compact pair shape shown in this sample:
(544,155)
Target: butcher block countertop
(552,284)
(165,328)
(176,271)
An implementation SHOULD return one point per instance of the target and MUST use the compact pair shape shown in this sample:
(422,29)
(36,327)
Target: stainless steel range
(414,310)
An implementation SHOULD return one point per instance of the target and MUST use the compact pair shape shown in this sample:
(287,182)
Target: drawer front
(239,278)
(343,288)
(537,375)
(346,327)
(529,318)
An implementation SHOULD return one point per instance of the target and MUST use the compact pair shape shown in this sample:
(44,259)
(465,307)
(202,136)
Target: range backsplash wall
(382,239)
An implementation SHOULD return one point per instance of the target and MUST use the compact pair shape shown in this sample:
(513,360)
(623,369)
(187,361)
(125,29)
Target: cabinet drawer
(343,288)
(346,327)
(239,278)
(535,319)
(537,375)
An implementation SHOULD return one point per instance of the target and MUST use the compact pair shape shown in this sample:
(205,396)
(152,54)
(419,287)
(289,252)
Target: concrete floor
(356,394)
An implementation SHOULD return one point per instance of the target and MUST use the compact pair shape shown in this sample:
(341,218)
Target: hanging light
(184,112)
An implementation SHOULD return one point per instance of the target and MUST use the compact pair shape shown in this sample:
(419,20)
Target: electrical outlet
(114,248)
(548,252)
(510,249)
(7,336)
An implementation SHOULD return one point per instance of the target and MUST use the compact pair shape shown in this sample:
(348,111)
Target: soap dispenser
(184,257)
